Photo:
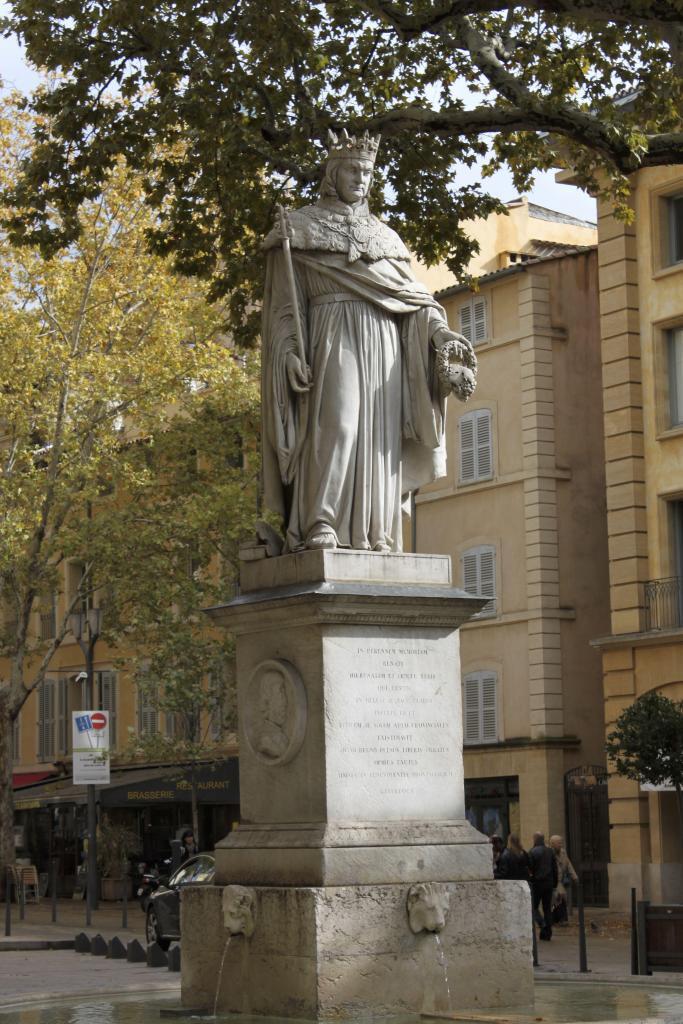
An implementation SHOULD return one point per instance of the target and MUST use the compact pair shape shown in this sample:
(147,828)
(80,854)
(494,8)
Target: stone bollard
(117,950)
(156,956)
(174,957)
(135,954)
(98,946)
(82,943)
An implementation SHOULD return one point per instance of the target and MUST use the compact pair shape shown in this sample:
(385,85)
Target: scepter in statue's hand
(298,372)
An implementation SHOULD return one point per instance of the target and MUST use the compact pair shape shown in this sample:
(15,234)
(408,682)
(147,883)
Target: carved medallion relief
(275,713)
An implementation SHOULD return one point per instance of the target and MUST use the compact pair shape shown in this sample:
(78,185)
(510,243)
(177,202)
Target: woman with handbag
(566,875)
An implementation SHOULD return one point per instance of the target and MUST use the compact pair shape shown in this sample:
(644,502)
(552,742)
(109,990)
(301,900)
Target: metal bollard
(53,889)
(124,908)
(8,902)
(22,898)
(583,961)
(88,909)
(634,934)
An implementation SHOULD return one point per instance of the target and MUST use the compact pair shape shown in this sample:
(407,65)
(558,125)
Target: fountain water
(220,976)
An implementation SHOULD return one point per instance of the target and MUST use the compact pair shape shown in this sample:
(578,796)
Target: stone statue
(358,360)
(427,906)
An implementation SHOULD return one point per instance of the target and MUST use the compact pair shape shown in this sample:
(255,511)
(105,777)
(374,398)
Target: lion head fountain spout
(427,906)
(239,910)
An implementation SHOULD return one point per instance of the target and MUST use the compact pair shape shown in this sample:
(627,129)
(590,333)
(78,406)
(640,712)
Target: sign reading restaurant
(217,783)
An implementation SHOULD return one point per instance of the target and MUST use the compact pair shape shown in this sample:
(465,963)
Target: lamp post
(86,627)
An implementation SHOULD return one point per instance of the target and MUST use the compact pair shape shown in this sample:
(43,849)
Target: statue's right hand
(299,376)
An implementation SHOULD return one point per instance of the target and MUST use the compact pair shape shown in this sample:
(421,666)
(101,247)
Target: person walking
(543,881)
(566,875)
(514,860)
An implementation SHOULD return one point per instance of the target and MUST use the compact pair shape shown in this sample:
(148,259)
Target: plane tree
(224,107)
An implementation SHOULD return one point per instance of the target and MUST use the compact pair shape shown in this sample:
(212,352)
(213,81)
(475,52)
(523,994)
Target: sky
(16,73)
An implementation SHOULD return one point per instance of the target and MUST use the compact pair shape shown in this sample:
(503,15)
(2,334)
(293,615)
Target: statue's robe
(371,428)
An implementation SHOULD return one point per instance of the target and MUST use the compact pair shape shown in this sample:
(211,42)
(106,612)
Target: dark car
(162,923)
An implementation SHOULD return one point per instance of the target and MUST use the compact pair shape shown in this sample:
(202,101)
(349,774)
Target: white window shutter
(484,448)
(479,575)
(470,577)
(108,696)
(471,709)
(480,331)
(487,572)
(467,459)
(489,709)
(480,704)
(466,321)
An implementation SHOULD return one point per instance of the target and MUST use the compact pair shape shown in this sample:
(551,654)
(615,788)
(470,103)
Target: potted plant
(116,844)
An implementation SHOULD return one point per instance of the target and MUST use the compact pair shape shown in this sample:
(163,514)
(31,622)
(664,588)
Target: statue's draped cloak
(371,428)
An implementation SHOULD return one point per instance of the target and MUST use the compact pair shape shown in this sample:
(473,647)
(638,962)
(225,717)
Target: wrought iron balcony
(664,603)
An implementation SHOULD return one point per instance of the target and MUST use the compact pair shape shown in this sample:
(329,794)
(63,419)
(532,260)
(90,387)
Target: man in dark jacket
(543,880)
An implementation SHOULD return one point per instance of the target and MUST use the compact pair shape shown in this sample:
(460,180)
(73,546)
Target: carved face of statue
(353,179)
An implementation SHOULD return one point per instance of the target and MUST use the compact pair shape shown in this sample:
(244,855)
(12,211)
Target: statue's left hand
(464,351)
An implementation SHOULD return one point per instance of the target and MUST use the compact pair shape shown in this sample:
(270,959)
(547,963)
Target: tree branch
(660,13)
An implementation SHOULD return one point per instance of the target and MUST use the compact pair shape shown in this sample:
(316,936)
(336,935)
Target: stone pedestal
(352,802)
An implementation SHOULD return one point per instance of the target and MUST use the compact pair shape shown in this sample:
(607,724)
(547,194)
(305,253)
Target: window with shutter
(473,316)
(148,715)
(480,707)
(476,449)
(108,699)
(46,720)
(479,576)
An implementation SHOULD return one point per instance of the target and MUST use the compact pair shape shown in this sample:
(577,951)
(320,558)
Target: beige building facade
(522,514)
(641,306)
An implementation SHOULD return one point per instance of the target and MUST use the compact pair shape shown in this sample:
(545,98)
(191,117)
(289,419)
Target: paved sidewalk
(56,974)
(37,927)
(608,952)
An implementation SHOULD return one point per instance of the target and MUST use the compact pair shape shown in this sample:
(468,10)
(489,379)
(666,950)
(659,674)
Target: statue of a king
(358,360)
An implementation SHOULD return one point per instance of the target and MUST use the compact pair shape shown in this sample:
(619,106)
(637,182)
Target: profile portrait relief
(273,740)
(275,713)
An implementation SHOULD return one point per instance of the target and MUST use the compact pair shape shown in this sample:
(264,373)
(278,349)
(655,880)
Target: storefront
(155,802)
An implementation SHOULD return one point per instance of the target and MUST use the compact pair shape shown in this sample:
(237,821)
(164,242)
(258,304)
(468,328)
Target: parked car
(162,923)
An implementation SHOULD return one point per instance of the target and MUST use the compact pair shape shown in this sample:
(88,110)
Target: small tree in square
(646,743)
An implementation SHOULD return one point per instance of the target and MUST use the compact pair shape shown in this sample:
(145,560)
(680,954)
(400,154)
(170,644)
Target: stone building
(522,514)
(641,326)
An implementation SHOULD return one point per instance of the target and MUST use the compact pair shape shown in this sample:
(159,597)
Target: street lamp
(86,628)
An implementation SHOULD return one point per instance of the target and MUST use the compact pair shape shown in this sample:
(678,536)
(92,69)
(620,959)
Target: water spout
(220,977)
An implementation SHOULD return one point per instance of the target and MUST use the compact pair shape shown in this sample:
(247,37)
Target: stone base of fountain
(349,951)
(354,884)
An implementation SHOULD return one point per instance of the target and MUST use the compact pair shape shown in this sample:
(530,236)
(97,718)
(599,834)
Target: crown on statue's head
(348,147)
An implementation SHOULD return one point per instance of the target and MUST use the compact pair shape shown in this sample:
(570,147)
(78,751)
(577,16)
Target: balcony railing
(48,625)
(664,603)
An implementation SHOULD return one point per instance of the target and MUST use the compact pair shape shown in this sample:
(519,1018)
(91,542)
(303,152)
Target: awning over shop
(20,779)
(217,783)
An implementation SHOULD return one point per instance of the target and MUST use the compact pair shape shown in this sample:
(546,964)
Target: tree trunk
(7,853)
(195,806)
(679,794)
